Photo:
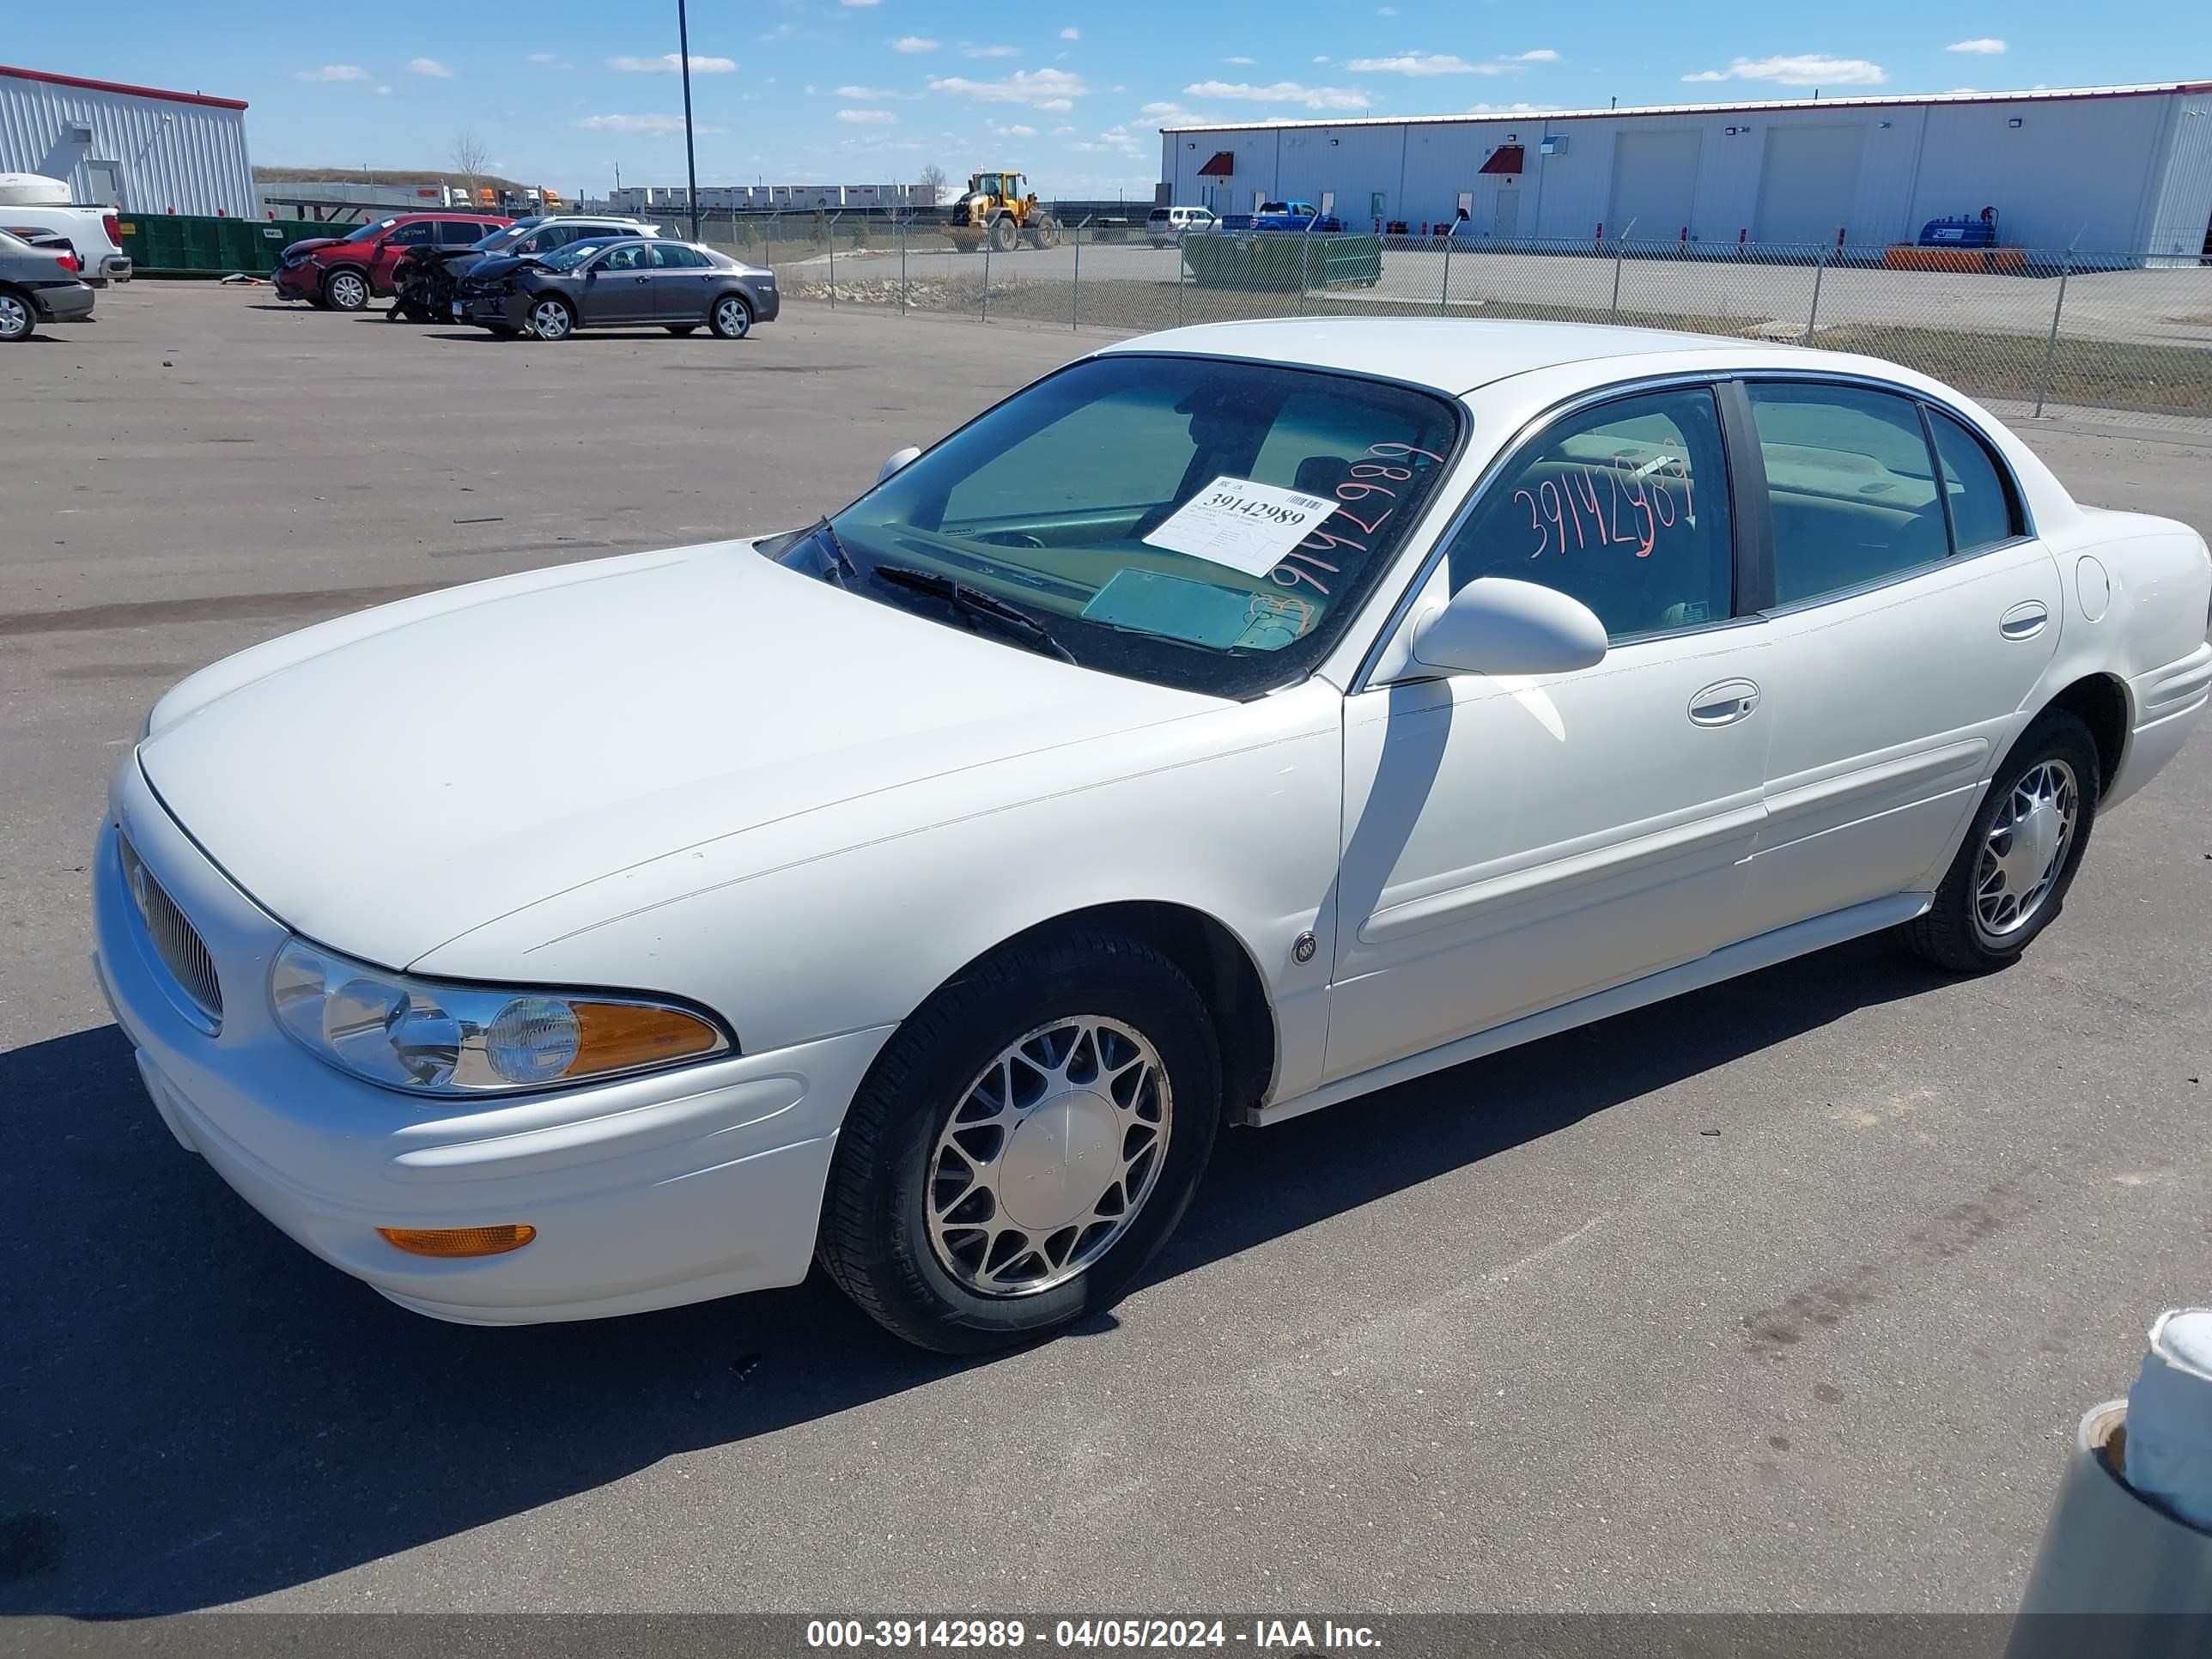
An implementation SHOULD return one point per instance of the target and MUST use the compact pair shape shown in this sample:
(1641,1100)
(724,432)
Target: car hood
(293,249)
(388,782)
(490,268)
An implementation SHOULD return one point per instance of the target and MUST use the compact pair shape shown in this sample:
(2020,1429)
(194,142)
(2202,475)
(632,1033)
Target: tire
(731,318)
(911,1244)
(551,318)
(1988,909)
(683,328)
(18,317)
(1044,233)
(345,290)
(1004,235)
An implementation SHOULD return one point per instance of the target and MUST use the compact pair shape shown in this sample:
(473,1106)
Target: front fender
(849,917)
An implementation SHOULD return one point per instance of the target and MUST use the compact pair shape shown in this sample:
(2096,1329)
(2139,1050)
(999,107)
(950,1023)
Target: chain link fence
(2029,330)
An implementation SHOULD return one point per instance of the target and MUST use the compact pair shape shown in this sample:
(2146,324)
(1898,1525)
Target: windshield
(369,232)
(503,236)
(1199,523)
(568,258)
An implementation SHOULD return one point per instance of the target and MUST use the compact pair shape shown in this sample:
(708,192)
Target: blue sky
(564,92)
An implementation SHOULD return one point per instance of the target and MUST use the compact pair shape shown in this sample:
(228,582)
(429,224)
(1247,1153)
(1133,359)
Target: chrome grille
(176,941)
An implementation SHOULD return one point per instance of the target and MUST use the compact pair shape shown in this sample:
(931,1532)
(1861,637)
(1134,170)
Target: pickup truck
(1302,216)
(94,235)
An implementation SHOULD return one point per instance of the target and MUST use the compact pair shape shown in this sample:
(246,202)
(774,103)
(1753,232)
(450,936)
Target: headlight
(428,1038)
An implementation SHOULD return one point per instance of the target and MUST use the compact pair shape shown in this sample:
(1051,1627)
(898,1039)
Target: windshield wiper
(839,567)
(973,602)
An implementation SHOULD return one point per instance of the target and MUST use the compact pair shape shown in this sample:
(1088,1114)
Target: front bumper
(64,302)
(492,310)
(645,1193)
(299,281)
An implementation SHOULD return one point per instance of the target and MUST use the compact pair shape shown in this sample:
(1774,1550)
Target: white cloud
(668,64)
(540,58)
(867,117)
(1071,34)
(969,51)
(430,67)
(1323,59)
(1386,11)
(633,123)
(914,43)
(1114,141)
(1241,62)
(1016,130)
(858,2)
(1541,55)
(333,72)
(1421,62)
(1804,70)
(869,94)
(1281,92)
(1061,132)
(1048,89)
(1987,45)
(384,92)
(1504,109)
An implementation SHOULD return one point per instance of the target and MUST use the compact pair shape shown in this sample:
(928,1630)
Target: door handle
(1724,703)
(2025,620)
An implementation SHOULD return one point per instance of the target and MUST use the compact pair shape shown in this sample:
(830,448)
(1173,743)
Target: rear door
(679,288)
(1913,612)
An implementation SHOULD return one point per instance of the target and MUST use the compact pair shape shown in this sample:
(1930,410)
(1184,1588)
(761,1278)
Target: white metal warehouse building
(2113,170)
(136,147)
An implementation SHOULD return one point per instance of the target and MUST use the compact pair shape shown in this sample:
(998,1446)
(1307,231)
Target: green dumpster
(1279,262)
(189,245)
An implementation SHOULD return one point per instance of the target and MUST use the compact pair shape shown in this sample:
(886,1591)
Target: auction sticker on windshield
(1245,525)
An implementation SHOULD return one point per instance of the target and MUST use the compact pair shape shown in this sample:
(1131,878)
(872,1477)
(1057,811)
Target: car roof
(1457,355)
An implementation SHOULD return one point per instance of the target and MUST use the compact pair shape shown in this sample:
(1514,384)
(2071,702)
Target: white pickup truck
(39,209)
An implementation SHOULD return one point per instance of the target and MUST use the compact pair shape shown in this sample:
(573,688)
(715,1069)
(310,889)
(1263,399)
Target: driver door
(1512,843)
(617,285)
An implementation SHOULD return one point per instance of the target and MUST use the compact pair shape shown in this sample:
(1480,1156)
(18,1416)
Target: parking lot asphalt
(1785,1295)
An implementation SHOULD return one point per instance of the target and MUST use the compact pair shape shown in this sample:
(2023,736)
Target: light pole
(690,157)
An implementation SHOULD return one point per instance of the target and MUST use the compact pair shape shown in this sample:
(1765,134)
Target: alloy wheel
(549,319)
(14,318)
(2025,850)
(731,319)
(348,292)
(1049,1156)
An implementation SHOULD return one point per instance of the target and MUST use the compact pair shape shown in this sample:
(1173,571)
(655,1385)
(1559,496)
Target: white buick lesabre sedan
(1234,721)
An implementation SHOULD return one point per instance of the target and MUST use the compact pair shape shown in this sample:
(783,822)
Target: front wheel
(1023,1144)
(2021,851)
(733,319)
(1004,235)
(551,320)
(345,290)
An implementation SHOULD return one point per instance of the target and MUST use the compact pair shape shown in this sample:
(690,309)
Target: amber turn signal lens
(459,1241)
(618,1037)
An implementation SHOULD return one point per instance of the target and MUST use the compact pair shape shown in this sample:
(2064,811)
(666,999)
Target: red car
(344,272)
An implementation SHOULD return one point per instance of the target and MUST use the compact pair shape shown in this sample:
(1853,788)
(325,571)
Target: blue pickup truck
(1302,217)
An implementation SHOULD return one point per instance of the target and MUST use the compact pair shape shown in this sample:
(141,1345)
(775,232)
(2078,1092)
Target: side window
(1850,484)
(674,256)
(1624,506)
(1983,510)
(457,232)
(417,234)
(630,257)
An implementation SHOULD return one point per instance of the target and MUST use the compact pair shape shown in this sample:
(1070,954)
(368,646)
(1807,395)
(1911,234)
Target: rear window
(1157,213)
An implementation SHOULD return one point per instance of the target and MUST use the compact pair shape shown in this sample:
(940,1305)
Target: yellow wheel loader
(997,209)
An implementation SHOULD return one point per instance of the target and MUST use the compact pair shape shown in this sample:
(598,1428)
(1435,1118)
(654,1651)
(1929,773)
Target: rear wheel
(1023,1144)
(1044,233)
(345,290)
(551,319)
(731,318)
(16,317)
(2026,842)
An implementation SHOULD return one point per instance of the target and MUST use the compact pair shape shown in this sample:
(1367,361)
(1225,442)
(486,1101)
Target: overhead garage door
(1655,180)
(1812,174)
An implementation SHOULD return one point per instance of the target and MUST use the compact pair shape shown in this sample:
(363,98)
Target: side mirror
(896,460)
(1495,625)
